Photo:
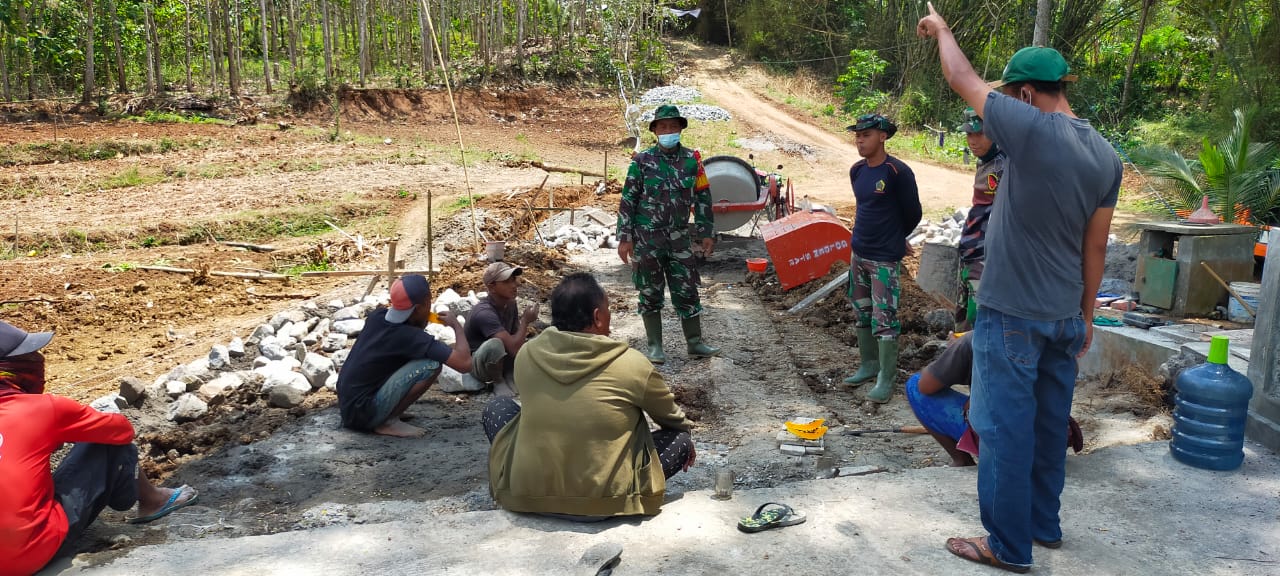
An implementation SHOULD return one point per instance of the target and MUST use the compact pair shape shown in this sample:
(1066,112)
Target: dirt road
(822,175)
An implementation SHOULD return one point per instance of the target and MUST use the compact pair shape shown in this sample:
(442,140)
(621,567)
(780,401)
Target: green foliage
(856,88)
(913,109)
(297,269)
(1236,173)
(160,117)
(118,267)
(130,177)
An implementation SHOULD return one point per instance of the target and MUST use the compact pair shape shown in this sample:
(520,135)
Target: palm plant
(1240,177)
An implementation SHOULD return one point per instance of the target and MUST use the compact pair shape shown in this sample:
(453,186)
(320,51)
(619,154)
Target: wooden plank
(841,280)
(330,273)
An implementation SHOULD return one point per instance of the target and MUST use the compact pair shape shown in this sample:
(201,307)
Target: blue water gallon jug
(1210,411)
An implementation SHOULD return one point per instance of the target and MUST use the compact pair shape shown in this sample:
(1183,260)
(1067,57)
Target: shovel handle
(1233,294)
(900,430)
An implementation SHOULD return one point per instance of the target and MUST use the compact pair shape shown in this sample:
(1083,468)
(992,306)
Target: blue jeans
(1024,374)
(398,385)
(941,412)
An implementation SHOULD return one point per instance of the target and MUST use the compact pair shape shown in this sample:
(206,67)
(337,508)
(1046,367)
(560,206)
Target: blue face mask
(669,141)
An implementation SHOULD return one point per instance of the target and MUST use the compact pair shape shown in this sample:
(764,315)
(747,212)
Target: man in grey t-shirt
(1046,244)
(494,331)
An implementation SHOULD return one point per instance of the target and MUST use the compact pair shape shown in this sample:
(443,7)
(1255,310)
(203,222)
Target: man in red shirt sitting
(43,513)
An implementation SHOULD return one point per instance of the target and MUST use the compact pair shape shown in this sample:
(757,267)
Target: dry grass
(1148,392)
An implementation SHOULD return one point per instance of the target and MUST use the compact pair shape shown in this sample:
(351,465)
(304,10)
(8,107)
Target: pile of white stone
(582,238)
(946,232)
(669,95)
(294,354)
(702,112)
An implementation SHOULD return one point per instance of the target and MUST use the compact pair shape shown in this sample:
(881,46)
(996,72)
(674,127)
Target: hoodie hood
(570,357)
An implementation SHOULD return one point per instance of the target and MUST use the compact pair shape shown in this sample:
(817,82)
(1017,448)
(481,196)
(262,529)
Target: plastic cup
(495,250)
(724,484)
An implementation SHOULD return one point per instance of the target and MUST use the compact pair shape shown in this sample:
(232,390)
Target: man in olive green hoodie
(579,444)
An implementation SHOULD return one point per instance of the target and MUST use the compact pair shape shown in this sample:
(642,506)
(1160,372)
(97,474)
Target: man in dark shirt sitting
(394,361)
(494,332)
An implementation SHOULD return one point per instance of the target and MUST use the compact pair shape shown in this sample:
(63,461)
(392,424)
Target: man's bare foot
(159,502)
(394,427)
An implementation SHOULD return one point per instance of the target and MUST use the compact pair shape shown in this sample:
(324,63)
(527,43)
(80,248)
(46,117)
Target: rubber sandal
(169,506)
(982,554)
(777,517)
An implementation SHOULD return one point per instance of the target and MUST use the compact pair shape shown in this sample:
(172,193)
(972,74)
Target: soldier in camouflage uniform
(663,184)
(973,252)
(888,210)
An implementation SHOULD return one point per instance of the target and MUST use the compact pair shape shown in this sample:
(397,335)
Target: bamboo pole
(335,273)
(249,275)
(457,125)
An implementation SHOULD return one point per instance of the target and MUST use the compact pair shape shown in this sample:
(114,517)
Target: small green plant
(77,237)
(119,266)
(402,193)
(149,242)
(297,269)
(126,179)
(462,202)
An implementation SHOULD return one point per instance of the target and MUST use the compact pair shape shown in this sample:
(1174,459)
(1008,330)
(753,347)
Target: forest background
(1188,87)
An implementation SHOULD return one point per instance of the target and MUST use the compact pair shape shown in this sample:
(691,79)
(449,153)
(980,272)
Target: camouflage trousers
(874,289)
(967,305)
(663,263)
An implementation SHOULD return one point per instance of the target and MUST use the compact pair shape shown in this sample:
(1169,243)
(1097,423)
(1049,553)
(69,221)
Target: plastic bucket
(495,250)
(1250,292)
(757,264)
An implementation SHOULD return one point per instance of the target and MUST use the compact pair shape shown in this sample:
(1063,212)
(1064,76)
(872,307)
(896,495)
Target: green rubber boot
(869,356)
(883,389)
(653,334)
(693,336)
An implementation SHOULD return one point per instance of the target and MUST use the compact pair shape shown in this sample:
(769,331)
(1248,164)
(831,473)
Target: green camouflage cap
(668,111)
(1035,64)
(972,123)
(869,121)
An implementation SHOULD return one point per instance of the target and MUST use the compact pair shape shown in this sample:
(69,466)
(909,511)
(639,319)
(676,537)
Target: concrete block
(1114,347)
(939,271)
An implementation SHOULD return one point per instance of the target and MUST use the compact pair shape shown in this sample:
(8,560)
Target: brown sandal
(981,553)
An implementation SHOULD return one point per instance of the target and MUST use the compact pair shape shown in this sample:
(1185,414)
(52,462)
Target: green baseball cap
(972,123)
(668,111)
(1035,64)
(876,121)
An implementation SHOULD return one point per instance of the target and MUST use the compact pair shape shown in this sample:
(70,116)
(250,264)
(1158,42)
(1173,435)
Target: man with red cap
(43,513)
(395,360)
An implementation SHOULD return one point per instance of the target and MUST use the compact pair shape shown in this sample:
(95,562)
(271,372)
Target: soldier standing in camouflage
(973,251)
(888,210)
(663,184)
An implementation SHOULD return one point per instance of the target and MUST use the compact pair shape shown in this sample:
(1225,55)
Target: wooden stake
(430,244)
(391,269)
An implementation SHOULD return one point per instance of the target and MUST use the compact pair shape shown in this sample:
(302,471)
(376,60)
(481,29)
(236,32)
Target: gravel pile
(669,95)
(701,112)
